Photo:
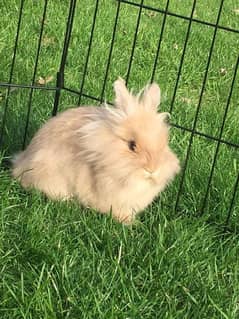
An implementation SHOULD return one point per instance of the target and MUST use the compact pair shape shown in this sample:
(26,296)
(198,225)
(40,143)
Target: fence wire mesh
(90,43)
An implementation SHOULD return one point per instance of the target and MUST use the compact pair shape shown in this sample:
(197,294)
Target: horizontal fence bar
(27,86)
(235,145)
(94,98)
(213,138)
(179,16)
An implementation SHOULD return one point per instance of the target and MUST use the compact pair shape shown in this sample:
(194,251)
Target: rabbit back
(49,163)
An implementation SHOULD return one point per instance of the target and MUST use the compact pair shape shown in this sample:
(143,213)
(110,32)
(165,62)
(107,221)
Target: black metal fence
(201,195)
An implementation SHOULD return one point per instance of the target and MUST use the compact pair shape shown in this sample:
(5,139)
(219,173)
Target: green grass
(59,260)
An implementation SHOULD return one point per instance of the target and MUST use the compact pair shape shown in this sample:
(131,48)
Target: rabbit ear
(151,97)
(124,100)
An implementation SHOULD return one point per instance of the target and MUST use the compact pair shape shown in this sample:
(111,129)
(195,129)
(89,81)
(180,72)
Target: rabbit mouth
(151,175)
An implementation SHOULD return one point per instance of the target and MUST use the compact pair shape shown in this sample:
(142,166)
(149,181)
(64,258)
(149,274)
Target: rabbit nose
(152,162)
(152,166)
(149,171)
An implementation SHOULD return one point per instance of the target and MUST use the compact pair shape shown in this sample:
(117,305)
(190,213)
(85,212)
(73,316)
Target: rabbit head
(130,141)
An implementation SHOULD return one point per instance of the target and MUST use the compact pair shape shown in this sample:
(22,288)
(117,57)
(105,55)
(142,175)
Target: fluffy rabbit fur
(111,158)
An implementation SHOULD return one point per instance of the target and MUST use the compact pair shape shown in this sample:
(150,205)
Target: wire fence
(218,140)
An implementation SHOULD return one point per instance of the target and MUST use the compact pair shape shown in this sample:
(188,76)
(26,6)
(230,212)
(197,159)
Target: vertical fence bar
(160,41)
(134,42)
(232,201)
(111,51)
(89,50)
(29,105)
(60,73)
(11,72)
(220,136)
(198,107)
(182,57)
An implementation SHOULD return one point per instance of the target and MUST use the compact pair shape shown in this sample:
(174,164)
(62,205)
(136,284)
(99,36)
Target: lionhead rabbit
(111,158)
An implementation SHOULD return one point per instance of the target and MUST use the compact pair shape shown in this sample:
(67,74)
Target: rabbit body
(112,159)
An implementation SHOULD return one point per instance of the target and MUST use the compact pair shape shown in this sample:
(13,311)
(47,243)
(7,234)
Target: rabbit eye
(132,145)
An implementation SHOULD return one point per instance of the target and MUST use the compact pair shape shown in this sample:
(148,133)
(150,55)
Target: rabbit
(113,159)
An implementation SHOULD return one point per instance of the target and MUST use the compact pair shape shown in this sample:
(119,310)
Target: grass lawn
(59,260)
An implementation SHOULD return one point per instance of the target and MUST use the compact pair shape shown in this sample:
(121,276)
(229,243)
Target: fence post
(60,73)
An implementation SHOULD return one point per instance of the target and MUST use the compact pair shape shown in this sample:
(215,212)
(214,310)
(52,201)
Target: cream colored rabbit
(111,158)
